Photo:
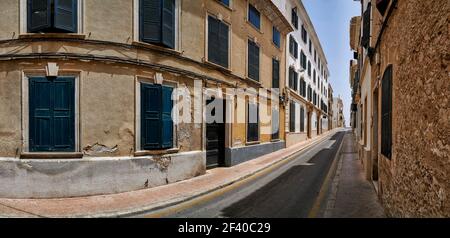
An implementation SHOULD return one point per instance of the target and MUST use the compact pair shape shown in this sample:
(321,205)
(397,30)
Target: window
(275,73)
(365,39)
(310,47)
(157,22)
(304,35)
(294,17)
(225,2)
(292,117)
(382,6)
(315,55)
(253,60)
(303,60)
(52,114)
(309,68)
(52,16)
(276,37)
(303,87)
(386,113)
(252,122)
(302,119)
(218,33)
(309,93)
(156,119)
(293,79)
(314,76)
(254,16)
(314,98)
(293,47)
(275,123)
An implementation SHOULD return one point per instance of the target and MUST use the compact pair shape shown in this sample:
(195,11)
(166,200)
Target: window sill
(216,66)
(51,155)
(253,81)
(156,152)
(52,35)
(156,47)
(275,140)
(253,143)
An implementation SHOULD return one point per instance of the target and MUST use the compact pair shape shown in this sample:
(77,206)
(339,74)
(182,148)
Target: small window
(293,79)
(276,37)
(294,17)
(254,16)
(293,47)
(303,60)
(52,16)
(309,68)
(218,33)
(310,47)
(304,35)
(275,74)
(157,22)
(386,113)
(252,122)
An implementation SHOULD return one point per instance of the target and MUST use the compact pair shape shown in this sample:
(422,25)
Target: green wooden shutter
(275,73)
(168,23)
(150,116)
(39,15)
(217,42)
(223,44)
(150,21)
(63,114)
(66,15)
(386,113)
(253,61)
(166,118)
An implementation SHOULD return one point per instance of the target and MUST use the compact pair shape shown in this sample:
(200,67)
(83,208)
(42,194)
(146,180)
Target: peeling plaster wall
(416,182)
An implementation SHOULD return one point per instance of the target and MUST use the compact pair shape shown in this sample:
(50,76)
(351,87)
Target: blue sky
(331,19)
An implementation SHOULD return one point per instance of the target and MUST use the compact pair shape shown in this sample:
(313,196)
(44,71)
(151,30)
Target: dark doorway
(215,138)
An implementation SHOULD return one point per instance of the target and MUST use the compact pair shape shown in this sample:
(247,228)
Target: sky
(331,20)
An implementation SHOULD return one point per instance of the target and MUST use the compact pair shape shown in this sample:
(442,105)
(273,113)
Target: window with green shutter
(156,119)
(252,122)
(386,113)
(275,74)
(218,42)
(253,60)
(292,117)
(52,16)
(157,22)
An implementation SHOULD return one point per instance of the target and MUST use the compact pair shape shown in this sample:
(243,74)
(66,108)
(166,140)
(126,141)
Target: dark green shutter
(168,23)
(386,113)
(66,15)
(302,119)
(52,106)
(253,61)
(292,117)
(217,42)
(150,21)
(39,15)
(150,116)
(275,73)
(166,118)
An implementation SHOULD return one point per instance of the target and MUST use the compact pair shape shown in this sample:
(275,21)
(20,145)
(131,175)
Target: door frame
(226,127)
(26,75)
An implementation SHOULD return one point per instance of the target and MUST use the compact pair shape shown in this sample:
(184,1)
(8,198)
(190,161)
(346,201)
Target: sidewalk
(351,195)
(148,199)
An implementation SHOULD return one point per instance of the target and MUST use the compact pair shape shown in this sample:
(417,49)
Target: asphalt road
(290,191)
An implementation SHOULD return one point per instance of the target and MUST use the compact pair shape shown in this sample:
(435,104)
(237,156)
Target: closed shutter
(52,124)
(150,21)
(386,113)
(254,16)
(302,119)
(365,39)
(39,15)
(150,116)
(295,49)
(275,74)
(63,114)
(295,81)
(291,78)
(253,61)
(168,23)
(166,118)
(66,15)
(275,124)
(217,42)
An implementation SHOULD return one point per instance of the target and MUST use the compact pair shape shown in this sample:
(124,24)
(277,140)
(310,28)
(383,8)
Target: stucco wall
(416,182)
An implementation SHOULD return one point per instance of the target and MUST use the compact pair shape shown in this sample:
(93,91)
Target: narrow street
(292,190)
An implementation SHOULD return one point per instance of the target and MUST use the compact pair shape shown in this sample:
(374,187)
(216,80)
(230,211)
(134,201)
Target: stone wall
(416,182)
